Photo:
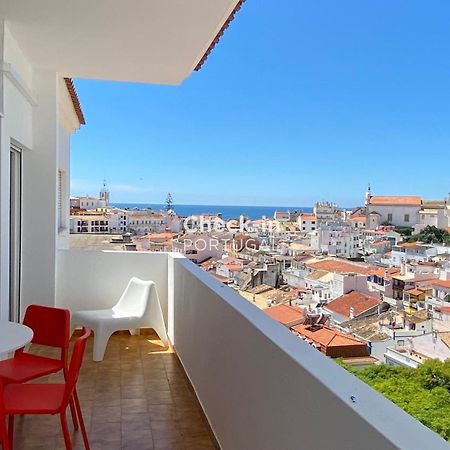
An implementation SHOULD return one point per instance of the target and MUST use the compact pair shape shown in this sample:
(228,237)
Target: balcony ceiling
(151,41)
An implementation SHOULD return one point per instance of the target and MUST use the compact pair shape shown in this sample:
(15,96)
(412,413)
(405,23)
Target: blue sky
(300,101)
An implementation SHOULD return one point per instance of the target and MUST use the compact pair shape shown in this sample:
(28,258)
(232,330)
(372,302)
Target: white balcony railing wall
(259,385)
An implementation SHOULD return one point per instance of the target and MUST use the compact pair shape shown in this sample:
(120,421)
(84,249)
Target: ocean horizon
(227,211)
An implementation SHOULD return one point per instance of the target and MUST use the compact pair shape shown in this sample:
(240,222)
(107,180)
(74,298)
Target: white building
(89,202)
(199,247)
(42,43)
(328,211)
(416,252)
(336,239)
(441,293)
(434,214)
(401,211)
(418,349)
(89,223)
(146,221)
(307,222)
(118,220)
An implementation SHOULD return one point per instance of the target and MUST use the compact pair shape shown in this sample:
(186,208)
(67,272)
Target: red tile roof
(385,273)
(160,235)
(415,291)
(226,260)
(287,315)
(359,301)
(219,35)
(358,219)
(444,309)
(332,342)
(308,216)
(395,200)
(441,283)
(340,266)
(75,101)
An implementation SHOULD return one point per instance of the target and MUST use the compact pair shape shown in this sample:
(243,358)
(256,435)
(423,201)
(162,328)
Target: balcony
(138,398)
(258,385)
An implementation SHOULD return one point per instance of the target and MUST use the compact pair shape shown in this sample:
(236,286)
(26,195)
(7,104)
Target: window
(406,217)
(389,218)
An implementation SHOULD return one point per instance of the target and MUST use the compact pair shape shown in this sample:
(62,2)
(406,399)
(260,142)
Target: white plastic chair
(138,307)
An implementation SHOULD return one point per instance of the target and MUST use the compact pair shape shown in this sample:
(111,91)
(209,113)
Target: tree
(423,392)
(432,235)
(169,202)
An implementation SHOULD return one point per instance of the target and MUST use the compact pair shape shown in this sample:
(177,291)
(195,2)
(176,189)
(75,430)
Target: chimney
(352,312)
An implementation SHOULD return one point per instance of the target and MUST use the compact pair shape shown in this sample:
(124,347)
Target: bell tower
(368,194)
(104,193)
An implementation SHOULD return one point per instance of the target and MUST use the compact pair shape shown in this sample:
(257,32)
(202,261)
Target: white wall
(398,214)
(16,125)
(95,280)
(38,117)
(263,388)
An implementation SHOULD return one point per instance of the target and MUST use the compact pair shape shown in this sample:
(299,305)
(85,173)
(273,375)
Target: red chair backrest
(75,364)
(51,326)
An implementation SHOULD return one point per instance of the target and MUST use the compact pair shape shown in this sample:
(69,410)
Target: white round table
(13,336)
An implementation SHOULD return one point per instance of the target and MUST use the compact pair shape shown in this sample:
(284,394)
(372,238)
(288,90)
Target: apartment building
(336,239)
(221,341)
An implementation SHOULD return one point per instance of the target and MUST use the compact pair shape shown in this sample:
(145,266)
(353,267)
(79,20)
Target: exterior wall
(338,240)
(344,283)
(233,390)
(143,222)
(398,214)
(95,280)
(38,119)
(228,380)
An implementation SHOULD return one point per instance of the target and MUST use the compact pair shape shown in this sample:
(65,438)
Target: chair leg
(73,413)
(81,420)
(11,431)
(4,438)
(65,430)
(101,339)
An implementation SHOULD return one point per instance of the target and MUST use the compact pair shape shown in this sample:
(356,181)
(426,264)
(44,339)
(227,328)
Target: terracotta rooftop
(395,200)
(286,315)
(358,219)
(385,273)
(227,260)
(219,35)
(308,217)
(160,235)
(441,283)
(359,301)
(415,291)
(332,342)
(75,100)
(340,266)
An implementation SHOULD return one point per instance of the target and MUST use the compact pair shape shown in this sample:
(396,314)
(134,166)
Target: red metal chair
(3,432)
(48,398)
(51,327)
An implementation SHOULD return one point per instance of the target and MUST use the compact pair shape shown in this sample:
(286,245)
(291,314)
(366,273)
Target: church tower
(368,195)
(104,194)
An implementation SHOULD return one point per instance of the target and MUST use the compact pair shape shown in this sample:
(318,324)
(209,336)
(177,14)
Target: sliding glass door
(15,233)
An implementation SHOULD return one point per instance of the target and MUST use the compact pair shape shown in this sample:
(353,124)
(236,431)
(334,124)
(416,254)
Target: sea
(227,211)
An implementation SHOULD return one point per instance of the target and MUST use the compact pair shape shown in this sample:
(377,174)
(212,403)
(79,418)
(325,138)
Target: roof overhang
(150,41)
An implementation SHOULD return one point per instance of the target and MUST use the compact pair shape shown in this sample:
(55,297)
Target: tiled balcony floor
(138,398)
